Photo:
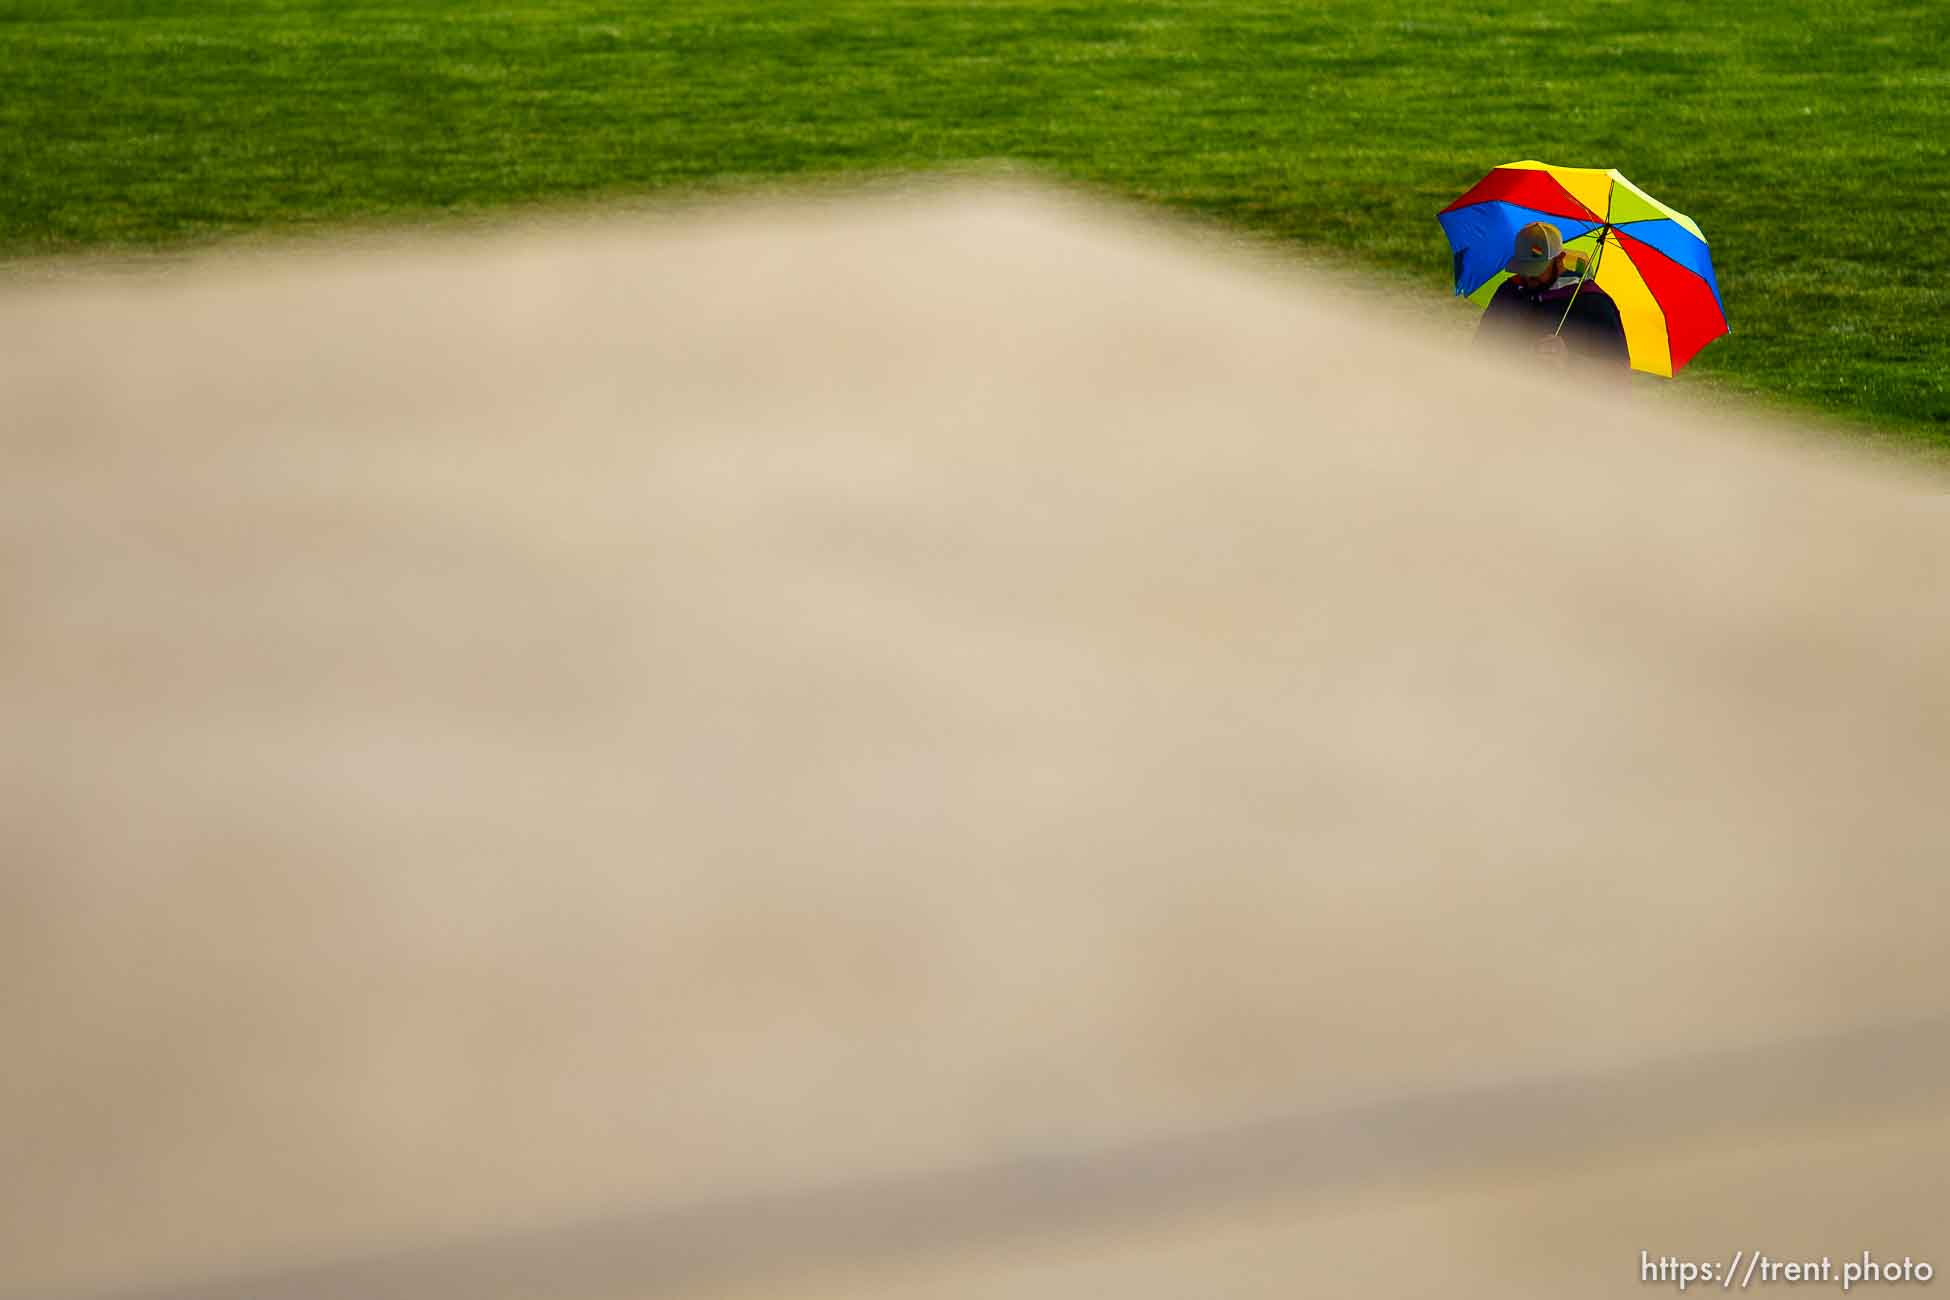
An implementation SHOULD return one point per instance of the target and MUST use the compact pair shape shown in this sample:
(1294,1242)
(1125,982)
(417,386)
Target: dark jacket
(1592,331)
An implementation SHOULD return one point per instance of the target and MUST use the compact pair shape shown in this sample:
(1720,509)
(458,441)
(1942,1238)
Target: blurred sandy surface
(718,728)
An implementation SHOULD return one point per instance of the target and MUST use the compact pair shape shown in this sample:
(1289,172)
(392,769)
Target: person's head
(1543,279)
(1538,257)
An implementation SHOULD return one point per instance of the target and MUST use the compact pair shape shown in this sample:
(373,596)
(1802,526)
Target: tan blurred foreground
(954,744)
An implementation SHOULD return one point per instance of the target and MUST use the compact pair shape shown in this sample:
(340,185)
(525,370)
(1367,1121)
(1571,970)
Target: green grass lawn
(1811,141)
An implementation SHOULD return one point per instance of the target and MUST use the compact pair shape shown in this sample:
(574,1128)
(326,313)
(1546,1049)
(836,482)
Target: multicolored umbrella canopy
(1651,259)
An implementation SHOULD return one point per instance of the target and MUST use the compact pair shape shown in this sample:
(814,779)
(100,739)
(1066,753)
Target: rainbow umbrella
(1649,258)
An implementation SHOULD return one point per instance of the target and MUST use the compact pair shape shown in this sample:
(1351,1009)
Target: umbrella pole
(1590,274)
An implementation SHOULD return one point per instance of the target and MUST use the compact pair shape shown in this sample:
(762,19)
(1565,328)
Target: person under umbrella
(1551,304)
